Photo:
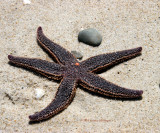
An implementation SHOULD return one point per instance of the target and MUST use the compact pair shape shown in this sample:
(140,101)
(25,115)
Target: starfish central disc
(77,64)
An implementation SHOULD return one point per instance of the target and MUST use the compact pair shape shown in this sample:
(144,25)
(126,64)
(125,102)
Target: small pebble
(78,55)
(26,2)
(90,36)
(39,93)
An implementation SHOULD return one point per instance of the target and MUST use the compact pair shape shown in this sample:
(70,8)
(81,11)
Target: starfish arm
(49,69)
(101,61)
(100,85)
(64,96)
(56,51)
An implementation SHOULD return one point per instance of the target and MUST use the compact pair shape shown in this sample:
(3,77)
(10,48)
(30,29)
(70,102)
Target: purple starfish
(71,72)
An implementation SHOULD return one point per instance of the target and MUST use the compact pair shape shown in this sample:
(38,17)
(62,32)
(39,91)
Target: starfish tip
(140,49)
(140,92)
(10,57)
(39,28)
(32,117)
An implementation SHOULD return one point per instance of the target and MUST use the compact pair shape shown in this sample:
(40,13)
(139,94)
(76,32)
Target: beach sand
(123,25)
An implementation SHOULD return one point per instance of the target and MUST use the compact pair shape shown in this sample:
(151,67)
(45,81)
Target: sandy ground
(123,25)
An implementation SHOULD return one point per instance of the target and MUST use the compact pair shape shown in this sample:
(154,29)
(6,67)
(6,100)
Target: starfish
(71,72)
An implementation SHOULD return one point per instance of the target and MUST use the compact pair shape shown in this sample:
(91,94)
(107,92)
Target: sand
(123,25)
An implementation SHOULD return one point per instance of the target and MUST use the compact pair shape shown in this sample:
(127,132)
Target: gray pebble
(90,36)
(78,55)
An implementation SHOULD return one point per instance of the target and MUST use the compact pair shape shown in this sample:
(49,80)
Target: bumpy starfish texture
(72,72)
